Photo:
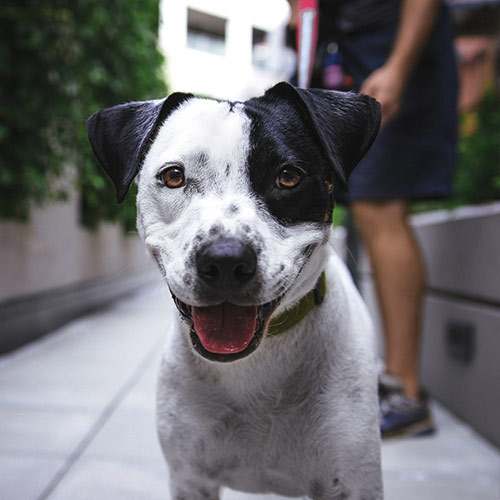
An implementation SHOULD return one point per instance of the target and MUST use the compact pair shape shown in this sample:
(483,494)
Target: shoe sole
(418,429)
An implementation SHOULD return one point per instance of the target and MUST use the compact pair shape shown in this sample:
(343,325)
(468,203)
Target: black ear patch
(120,136)
(345,123)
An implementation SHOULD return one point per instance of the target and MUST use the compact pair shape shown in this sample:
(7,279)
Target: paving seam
(103,418)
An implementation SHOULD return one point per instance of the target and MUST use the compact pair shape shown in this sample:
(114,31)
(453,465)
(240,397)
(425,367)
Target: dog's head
(235,199)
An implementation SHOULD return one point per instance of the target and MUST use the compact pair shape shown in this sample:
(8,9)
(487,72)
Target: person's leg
(399,274)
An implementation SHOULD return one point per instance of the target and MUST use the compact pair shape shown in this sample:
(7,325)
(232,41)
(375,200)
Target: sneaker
(401,415)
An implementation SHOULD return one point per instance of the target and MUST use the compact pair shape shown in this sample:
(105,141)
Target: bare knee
(373,217)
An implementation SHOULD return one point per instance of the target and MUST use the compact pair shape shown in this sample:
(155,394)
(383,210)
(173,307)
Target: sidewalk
(77,421)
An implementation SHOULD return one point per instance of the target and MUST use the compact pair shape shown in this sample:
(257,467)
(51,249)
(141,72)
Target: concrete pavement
(77,421)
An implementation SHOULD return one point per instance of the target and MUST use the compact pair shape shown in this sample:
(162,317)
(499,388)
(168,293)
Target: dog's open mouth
(226,332)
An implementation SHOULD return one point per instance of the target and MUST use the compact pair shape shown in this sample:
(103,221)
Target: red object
(307,37)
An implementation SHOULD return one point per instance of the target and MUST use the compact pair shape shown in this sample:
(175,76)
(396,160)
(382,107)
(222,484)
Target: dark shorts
(413,156)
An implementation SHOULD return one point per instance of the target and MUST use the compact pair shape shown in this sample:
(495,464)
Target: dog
(268,380)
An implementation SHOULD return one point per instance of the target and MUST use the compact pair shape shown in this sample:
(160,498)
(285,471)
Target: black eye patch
(287,168)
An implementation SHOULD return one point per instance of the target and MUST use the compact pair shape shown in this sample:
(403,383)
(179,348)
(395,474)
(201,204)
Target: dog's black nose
(226,263)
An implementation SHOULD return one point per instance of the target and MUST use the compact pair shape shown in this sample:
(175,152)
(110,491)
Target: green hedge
(477,178)
(477,175)
(59,62)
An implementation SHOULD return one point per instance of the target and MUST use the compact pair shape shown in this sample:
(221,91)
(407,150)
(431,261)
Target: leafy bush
(478,172)
(61,60)
(477,176)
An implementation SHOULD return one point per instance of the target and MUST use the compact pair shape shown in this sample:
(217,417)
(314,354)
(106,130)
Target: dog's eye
(173,177)
(289,177)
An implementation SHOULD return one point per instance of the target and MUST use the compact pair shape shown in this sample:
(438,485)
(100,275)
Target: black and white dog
(268,379)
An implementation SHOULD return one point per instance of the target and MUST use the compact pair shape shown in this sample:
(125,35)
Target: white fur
(299,416)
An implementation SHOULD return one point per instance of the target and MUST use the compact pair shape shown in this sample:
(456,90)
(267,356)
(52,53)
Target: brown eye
(173,177)
(289,177)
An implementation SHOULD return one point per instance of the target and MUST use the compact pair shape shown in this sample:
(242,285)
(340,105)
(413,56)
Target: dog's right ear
(120,136)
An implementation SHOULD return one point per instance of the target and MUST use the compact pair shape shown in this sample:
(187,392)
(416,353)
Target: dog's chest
(251,442)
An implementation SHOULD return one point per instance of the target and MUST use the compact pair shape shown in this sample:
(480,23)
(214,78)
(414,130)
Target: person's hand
(387,85)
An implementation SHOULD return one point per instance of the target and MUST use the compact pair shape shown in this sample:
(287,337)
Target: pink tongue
(226,328)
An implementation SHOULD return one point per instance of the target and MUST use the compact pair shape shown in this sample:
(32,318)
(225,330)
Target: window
(260,49)
(206,32)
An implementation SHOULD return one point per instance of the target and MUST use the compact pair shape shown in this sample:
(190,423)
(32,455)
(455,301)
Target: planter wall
(461,332)
(53,270)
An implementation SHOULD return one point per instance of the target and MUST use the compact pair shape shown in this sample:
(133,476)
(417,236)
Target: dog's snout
(226,263)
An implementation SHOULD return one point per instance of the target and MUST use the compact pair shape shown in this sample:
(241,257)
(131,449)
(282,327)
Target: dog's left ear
(120,136)
(345,123)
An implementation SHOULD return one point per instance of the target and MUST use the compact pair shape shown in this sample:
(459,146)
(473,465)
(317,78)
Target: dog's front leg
(192,490)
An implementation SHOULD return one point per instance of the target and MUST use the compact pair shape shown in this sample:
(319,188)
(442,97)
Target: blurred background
(61,231)
(67,248)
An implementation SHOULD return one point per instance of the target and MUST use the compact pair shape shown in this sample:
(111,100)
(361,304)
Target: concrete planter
(461,332)
(53,270)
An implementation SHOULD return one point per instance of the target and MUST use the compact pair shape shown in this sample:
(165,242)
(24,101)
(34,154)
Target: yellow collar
(299,311)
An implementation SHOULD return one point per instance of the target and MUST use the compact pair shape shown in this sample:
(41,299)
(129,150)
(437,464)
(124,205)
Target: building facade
(226,49)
